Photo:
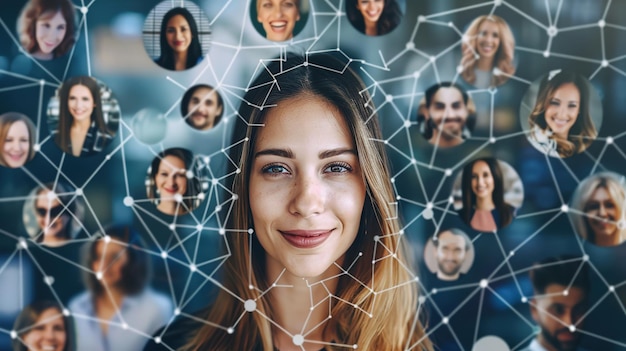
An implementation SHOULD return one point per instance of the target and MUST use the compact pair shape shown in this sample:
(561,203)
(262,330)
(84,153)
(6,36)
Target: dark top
(95,141)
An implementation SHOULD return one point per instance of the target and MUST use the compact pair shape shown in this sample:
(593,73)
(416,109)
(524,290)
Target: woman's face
(370,9)
(80,103)
(488,40)
(178,33)
(50,216)
(306,189)
(49,32)
(110,259)
(16,145)
(563,108)
(171,177)
(48,333)
(278,18)
(602,212)
(482,180)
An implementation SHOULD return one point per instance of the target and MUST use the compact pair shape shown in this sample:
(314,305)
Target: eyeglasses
(54,211)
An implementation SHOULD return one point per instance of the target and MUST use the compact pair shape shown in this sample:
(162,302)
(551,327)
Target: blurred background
(423,50)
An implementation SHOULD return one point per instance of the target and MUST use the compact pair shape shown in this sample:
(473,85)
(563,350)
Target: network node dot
(511,253)
(492,140)
(376,238)
(250,231)
(386,142)
(36,147)
(360,254)
(389,98)
(79,192)
(13,334)
(177,311)
(42,82)
(564,208)
(200,196)
(601,23)
(484,283)
(421,18)
(235,197)
(107,157)
(355,346)
(51,195)
(434,291)
(416,74)
(392,180)
(428,214)
(124,326)
(178,197)
(407,124)
(609,140)
(413,161)
(552,31)
(459,69)
(22,243)
(163,254)
(249,305)
(433,59)
(192,267)
(172,226)
(524,299)
(586,258)
(605,63)
(84,10)
(238,170)
(298,340)
(128,201)
(99,275)
(445,320)
(497,71)
(222,231)
(157,339)
(421,299)
(410,45)
(451,199)
(572,328)
(214,181)
(230,330)
(565,292)
(497,2)
(611,288)
(218,208)
(250,287)
(429,205)
(450,24)
(199,227)
(398,197)
(546,53)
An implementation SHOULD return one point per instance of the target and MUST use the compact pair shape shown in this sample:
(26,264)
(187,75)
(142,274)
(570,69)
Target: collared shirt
(95,141)
(139,316)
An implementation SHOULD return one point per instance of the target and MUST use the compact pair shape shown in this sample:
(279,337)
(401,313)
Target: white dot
(230,330)
(546,53)
(450,24)
(199,227)
(172,226)
(564,208)
(298,340)
(416,74)
(107,239)
(214,181)
(355,346)
(565,292)
(250,287)
(107,157)
(511,253)
(410,45)
(178,197)
(79,192)
(218,208)
(305,64)
(429,205)
(249,305)
(13,334)
(238,170)
(189,174)
(459,69)
(601,23)
(572,328)
(376,238)
(163,254)
(492,140)
(451,199)
(250,231)
(66,312)
(124,326)
(192,267)
(36,147)
(421,299)
(448,172)
(433,59)
(434,291)
(497,71)
(497,2)
(421,18)
(611,288)
(84,10)
(609,140)
(389,98)
(428,214)
(552,31)
(222,231)
(586,258)
(42,82)
(22,243)
(128,201)
(51,195)
(413,161)
(484,283)
(407,124)
(201,196)
(445,320)
(524,299)
(605,63)
(157,339)
(99,275)
(177,311)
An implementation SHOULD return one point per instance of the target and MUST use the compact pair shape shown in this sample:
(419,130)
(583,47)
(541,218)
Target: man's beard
(449,272)
(554,341)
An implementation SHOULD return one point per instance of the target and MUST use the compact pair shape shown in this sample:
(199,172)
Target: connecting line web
(487,308)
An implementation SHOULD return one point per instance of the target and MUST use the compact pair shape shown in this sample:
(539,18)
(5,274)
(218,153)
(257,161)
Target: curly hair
(503,59)
(43,9)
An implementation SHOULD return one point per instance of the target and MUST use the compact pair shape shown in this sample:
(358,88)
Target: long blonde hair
(390,321)
(503,59)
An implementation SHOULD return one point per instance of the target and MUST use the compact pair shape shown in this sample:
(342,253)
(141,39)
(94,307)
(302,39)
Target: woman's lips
(306,239)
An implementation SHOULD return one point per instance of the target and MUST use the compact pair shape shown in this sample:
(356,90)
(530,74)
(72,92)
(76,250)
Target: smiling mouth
(306,239)
(560,122)
(278,26)
(48,347)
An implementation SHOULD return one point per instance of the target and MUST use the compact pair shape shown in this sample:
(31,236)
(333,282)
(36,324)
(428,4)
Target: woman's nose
(308,197)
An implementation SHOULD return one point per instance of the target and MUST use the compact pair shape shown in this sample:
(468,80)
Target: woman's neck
(180,61)
(616,238)
(485,204)
(301,306)
(82,125)
(485,63)
(169,206)
(41,56)
(371,28)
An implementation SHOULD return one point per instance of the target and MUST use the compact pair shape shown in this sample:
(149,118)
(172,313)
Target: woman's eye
(554,103)
(338,168)
(274,169)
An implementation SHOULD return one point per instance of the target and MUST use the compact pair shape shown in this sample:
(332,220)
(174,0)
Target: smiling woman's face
(278,18)
(50,30)
(563,108)
(48,333)
(306,188)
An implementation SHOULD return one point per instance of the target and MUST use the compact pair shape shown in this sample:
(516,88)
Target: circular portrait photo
(561,113)
(598,209)
(42,322)
(53,214)
(279,20)
(374,17)
(47,28)
(487,194)
(202,107)
(83,116)
(446,115)
(17,139)
(173,182)
(487,52)
(449,254)
(177,35)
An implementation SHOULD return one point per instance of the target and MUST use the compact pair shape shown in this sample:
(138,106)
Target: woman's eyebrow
(287,153)
(336,152)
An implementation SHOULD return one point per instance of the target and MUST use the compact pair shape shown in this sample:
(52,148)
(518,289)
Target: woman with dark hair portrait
(488,44)
(118,309)
(598,209)
(43,326)
(313,196)
(169,183)
(17,136)
(482,186)
(55,206)
(374,17)
(278,18)
(202,107)
(46,28)
(179,40)
(561,124)
(82,130)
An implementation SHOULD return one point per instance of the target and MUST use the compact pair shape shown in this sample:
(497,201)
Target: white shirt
(142,314)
